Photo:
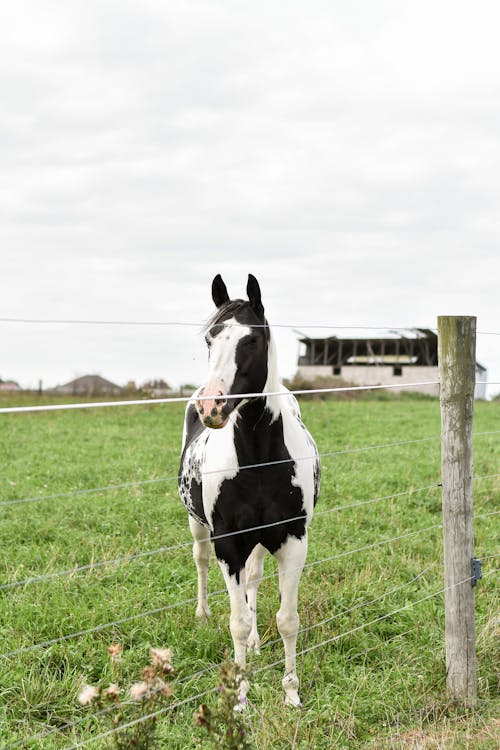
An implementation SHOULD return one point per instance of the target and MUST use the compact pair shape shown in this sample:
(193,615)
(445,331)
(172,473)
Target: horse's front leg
(202,550)
(240,622)
(291,558)
(254,569)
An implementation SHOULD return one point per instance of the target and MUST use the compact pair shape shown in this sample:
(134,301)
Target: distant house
(9,385)
(89,385)
(395,358)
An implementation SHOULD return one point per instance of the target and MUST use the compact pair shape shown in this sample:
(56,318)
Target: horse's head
(237,337)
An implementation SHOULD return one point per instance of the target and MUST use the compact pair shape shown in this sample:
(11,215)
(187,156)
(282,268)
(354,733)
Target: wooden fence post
(457,367)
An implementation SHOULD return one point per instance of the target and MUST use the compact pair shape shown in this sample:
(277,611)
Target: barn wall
(377,375)
(480,391)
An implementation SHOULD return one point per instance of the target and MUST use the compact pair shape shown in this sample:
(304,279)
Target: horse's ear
(219,291)
(253,292)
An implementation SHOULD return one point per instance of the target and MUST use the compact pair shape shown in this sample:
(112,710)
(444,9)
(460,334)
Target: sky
(346,154)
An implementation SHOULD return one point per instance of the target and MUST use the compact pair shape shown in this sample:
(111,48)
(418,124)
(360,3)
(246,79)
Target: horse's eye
(215,330)
(252,340)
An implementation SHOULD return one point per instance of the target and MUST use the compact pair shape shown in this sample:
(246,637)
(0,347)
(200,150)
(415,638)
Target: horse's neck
(273,382)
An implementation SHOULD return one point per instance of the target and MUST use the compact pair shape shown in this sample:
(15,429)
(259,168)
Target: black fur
(255,496)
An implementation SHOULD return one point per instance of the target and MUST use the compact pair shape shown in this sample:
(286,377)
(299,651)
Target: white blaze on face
(222,361)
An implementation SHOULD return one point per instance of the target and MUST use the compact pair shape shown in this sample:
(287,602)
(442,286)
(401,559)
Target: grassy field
(381,686)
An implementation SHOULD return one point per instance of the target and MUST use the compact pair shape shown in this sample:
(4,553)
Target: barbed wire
(141,719)
(304,651)
(487,515)
(316,562)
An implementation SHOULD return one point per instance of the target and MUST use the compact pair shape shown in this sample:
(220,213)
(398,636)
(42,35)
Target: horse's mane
(226,311)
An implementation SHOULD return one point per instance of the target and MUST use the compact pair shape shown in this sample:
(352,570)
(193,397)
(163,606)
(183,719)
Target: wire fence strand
(186,399)
(297,327)
(380,618)
(213,667)
(179,545)
(304,651)
(176,477)
(191,600)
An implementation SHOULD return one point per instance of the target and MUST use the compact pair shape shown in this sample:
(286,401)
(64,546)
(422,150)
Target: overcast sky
(346,153)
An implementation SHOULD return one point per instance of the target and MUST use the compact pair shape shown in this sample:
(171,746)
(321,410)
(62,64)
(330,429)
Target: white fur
(222,357)
(220,463)
(214,450)
(291,558)
(254,569)
(240,621)
(202,551)
(300,445)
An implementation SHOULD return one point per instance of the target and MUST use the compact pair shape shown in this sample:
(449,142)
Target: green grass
(380,686)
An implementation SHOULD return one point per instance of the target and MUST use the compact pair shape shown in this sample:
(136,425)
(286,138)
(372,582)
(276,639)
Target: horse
(249,475)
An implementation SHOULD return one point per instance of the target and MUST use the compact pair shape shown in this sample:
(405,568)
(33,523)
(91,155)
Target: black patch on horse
(257,496)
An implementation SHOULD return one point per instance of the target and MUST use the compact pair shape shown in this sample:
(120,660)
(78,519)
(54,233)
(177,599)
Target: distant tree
(187,388)
(156,384)
(130,387)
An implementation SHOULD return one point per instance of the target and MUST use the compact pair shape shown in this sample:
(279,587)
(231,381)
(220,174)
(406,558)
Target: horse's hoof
(253,644)
(242,697)
(202,612)
(292,699)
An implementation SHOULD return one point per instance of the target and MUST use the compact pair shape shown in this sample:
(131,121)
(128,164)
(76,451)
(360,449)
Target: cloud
(347,153)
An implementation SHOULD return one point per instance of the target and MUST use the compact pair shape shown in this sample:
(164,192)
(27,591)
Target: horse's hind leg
(202,550)
(254,568)
(291,557)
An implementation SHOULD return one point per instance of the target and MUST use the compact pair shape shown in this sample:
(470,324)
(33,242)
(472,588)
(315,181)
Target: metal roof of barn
(366,334)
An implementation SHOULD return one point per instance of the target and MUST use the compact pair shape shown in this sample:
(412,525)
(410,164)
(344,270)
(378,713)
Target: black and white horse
(223,435)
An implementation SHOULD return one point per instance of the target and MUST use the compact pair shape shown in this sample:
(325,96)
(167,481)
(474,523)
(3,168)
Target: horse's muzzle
(211,410)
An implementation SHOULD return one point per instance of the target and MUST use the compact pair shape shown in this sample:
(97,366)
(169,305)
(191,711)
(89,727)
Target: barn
(390,359)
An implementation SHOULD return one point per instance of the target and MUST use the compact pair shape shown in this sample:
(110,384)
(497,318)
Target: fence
(457,390)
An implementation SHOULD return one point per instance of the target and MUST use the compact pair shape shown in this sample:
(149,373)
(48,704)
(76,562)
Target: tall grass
(382,685)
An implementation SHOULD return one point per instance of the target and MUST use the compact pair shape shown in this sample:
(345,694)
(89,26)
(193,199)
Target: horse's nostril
(214,412)
(202,410)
